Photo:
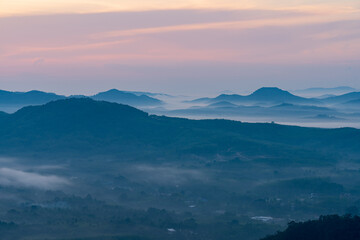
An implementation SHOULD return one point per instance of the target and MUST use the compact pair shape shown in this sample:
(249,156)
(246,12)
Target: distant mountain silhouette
(325,117)
(326,96)
(353,103)
(27,98)
(272,112)
(316,92)
(128,98)
(150,94)
(342,98)
(302,107)
(21,99)
(222,104)
(200,100)
(284,105)
(277,95)
(78,96)
(229,98)
(269,95)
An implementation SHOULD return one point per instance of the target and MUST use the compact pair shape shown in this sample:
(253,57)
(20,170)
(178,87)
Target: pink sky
(179,47)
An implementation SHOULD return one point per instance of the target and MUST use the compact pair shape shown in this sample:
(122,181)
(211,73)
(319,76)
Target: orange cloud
(40,7)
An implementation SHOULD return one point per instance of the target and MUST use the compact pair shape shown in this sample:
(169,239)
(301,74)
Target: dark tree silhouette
(331,227)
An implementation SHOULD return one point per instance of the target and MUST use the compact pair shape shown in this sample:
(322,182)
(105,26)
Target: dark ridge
(27,98)
(76,107)
(270,92)
(85,126)
(128,98)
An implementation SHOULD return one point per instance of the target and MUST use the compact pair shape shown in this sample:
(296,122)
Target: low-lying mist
(167,175)
(18,178)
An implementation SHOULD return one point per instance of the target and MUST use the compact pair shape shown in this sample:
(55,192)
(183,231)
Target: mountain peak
(114,90)
(85,108)
(267,91)
(262,95)
(277,95)
(33,97)
(114,95)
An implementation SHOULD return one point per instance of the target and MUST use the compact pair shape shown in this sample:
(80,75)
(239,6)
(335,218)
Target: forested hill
(71,126)
(326,228)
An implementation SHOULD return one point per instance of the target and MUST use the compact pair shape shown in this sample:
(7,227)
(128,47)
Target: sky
(193,47)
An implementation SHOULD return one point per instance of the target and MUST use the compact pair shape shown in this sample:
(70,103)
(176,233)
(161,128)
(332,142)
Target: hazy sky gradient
(178,47)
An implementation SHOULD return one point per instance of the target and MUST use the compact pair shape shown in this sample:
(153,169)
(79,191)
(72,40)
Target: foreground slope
(153,177)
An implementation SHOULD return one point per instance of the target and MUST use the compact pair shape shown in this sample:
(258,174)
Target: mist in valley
(179,120)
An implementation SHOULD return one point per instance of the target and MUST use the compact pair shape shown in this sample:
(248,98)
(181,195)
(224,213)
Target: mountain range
(20,99)
(73,125)
(342,98)
(129,98)
(262,96)
(265,104)
(266,95)
(27,98)
(318,92)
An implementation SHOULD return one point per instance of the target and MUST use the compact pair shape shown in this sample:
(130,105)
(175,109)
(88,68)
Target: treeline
(332,227)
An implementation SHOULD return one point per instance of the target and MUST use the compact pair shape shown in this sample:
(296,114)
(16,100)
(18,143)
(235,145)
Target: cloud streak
(146,45)
(145,41)
(233,25)
(35,7)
